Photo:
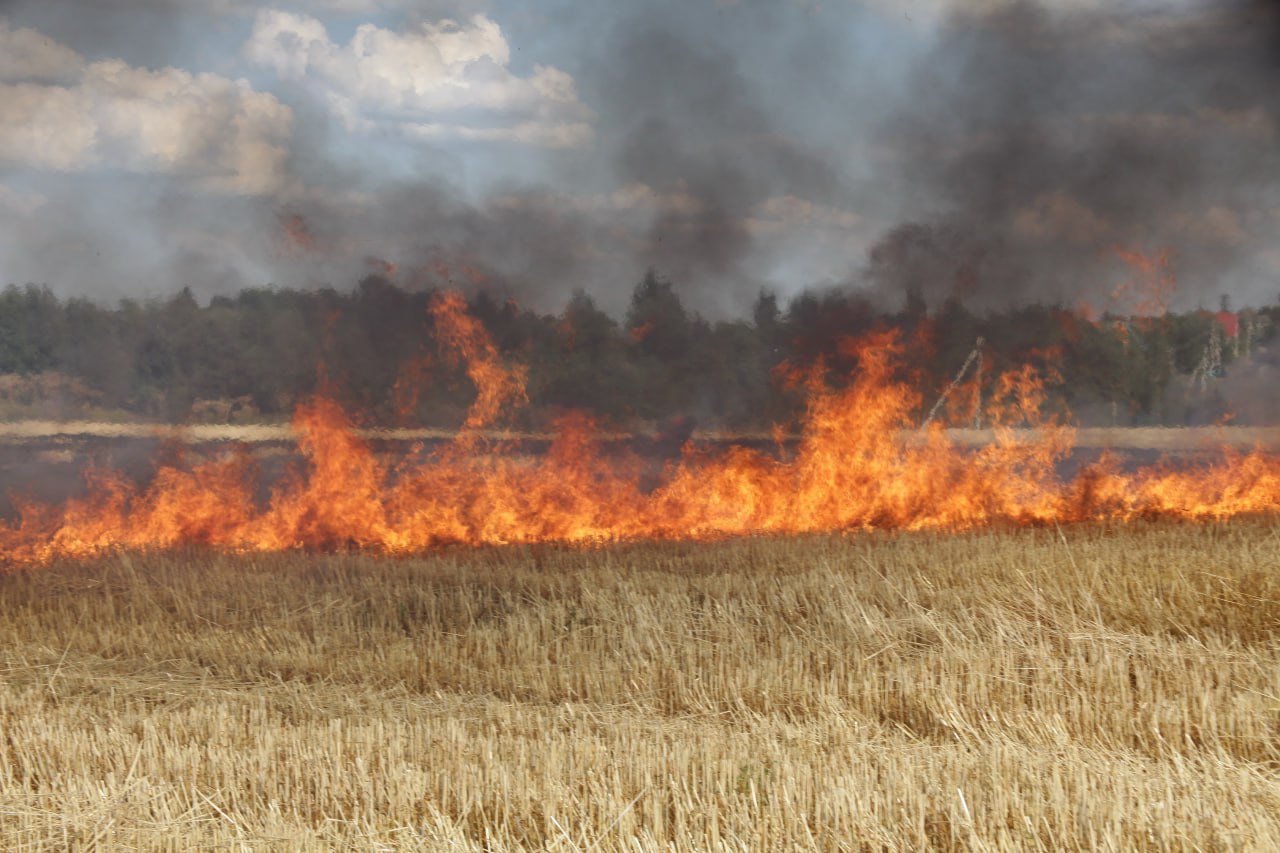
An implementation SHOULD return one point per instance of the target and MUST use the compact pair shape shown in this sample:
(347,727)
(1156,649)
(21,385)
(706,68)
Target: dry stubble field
(1029,689)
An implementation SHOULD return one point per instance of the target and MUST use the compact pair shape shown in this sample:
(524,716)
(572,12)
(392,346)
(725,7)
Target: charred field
(1098,686)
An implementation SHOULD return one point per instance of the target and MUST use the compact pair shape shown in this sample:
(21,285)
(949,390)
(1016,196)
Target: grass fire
(873,628)
(665,425)
(858,465)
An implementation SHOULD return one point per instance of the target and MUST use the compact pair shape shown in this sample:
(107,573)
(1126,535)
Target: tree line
(256,354)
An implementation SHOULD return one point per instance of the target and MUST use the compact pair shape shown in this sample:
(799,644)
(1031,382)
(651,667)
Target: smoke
(1037,140)
(681,117)
(696,170)
(1000,156)
(525,244)
(710,154)
(1245,392)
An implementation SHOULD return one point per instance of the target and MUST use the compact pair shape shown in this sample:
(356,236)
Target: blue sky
(990,150)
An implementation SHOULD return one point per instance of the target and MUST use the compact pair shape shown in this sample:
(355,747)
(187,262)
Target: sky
(993,151)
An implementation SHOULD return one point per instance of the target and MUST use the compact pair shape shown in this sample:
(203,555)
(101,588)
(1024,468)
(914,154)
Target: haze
(997,152)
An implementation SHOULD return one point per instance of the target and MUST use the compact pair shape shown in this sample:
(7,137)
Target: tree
(30,329)
(588,369)
(657,320)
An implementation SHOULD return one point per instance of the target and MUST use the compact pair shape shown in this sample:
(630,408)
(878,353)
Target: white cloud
(676,200)
(27,54)
(444,79)
(250,8)
(111,116)
(634,199)
(786,212)
(46,127)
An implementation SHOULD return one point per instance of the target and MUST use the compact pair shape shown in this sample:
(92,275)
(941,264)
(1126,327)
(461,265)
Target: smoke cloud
(1039,141)
(998,152)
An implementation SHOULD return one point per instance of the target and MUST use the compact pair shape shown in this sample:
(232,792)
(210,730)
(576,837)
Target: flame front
(858,466)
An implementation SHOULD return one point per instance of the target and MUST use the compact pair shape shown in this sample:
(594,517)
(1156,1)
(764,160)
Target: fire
(1151,287)
(859,465)
(295,236)
(382,267)
(465,339)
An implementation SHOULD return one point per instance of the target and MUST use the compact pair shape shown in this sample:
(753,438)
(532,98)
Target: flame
(1152,284)
(858,465)
(388,269)
(464,339)
(294,237)
(639,333)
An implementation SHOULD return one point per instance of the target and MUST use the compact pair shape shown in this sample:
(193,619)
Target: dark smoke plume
(1038,141)
(687,147)
(1027,146)
(679,115)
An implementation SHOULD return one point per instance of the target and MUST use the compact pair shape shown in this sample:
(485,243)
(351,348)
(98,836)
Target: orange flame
(858,466)
(294,237)
(1151,287)
(639,333)
(464,339)
(388,269)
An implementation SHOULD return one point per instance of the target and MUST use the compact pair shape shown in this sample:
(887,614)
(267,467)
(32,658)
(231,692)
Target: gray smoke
(677,117)
(702,113)
(1023,148)
(679,113)
(1038,141)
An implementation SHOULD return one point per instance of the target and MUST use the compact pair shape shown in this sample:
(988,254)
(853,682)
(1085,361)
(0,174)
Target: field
(1088,688)
(66,433)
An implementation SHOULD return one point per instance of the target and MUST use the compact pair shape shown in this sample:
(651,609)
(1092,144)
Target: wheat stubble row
(1027,689)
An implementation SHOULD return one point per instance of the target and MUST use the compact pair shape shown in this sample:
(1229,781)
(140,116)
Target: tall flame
(858,466)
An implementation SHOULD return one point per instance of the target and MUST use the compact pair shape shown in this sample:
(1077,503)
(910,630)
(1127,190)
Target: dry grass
(1165,439)
(1102,689)
(1169,439)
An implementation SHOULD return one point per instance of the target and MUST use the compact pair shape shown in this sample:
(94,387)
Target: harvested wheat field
(1088,688)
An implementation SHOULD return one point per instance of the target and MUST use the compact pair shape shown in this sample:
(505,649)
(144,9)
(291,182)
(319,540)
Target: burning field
(857,634)
(922,494)
(862,634)
(866,635)
(857,465)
